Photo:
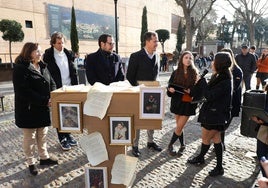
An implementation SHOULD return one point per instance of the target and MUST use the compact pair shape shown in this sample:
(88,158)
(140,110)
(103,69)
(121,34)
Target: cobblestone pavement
(154,169)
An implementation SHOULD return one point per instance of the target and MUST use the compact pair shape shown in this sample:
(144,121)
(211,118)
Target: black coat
(140,68)
(247,63)
(237,90)
(104,68)
(32,93)
(54,69)
(218,94)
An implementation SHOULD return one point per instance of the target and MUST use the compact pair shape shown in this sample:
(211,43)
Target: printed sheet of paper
(123,169)
(73,88)
(94,147)
(98,100)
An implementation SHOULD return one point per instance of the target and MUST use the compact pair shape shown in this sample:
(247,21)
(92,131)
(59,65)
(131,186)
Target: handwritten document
(123,169)
(94,147)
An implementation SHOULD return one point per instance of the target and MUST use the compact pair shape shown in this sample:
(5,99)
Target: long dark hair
(26,52)
(191,72)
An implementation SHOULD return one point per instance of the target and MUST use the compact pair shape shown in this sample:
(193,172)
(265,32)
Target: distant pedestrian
(32,85)
(262,69)
(247,62)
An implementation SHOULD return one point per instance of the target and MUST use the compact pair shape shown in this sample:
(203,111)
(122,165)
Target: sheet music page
(94,147)
(123,169)
(98,100)
(73,88)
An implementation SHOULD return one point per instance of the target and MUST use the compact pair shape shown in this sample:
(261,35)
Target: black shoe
(65,144)
(216,172)
(48,162)
(135,151)
(71,140)
(182,148)
(171,151)
(153,146)
(33,170)
(196,160)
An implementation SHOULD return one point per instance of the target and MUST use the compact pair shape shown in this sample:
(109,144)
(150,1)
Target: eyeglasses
(111,43)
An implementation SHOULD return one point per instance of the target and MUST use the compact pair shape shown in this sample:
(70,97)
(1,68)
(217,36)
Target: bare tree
(193,21)
(251,11)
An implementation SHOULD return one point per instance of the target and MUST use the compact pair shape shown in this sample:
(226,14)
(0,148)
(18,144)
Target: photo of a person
(96,177)
(120,131)
(151,103)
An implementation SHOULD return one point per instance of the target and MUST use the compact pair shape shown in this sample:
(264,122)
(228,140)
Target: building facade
(40,18)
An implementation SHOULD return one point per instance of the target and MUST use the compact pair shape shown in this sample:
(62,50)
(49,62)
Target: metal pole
(116,32)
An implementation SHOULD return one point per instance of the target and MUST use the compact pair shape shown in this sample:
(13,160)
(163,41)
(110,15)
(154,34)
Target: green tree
(144,25)
(12,32)
(180,37)
(251,12)
(163,35)
(73,33)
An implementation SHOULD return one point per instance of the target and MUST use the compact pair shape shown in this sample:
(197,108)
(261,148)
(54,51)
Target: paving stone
(154,169)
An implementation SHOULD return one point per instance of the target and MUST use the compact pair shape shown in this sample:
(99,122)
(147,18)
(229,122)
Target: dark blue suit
(104,67)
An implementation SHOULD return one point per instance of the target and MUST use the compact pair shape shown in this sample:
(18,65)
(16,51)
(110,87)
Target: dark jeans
(262,150)
(247,80)
(61,136)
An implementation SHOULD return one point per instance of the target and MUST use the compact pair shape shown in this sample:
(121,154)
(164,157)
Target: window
(28,24)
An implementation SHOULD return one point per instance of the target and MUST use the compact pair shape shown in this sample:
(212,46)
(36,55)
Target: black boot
(218,170)
(174,138)
(181,138)
(200,158)
(33,170)
(222,139)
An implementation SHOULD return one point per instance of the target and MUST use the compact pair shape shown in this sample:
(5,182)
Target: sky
(223,8)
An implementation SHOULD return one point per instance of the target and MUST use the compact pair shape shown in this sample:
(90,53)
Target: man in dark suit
(143,66)
(60,65)
(104,65)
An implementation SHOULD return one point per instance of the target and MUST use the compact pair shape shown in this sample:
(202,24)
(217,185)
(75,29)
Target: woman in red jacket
(262,71)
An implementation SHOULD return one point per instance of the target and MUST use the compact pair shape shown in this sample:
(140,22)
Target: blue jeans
(262,150)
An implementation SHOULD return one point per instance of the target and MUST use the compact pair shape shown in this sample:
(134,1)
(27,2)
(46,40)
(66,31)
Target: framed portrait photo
(121,129)
(96,177)
(152,102)
(70,117)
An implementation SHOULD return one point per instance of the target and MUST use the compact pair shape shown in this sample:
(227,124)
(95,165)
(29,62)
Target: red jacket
(262,65)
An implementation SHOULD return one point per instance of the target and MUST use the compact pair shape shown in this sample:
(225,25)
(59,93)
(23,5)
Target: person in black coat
(143,66)
(104,65)
(32,85)
(60,65)
(182,79)
(215,112)
(237,91)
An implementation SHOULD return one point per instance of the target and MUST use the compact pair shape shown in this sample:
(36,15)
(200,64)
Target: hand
(171,90)
(49,103)
(256,119)
(187,91)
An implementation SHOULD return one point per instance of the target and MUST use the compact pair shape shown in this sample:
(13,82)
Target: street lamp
(223,22)
(261,32)
(115,22)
